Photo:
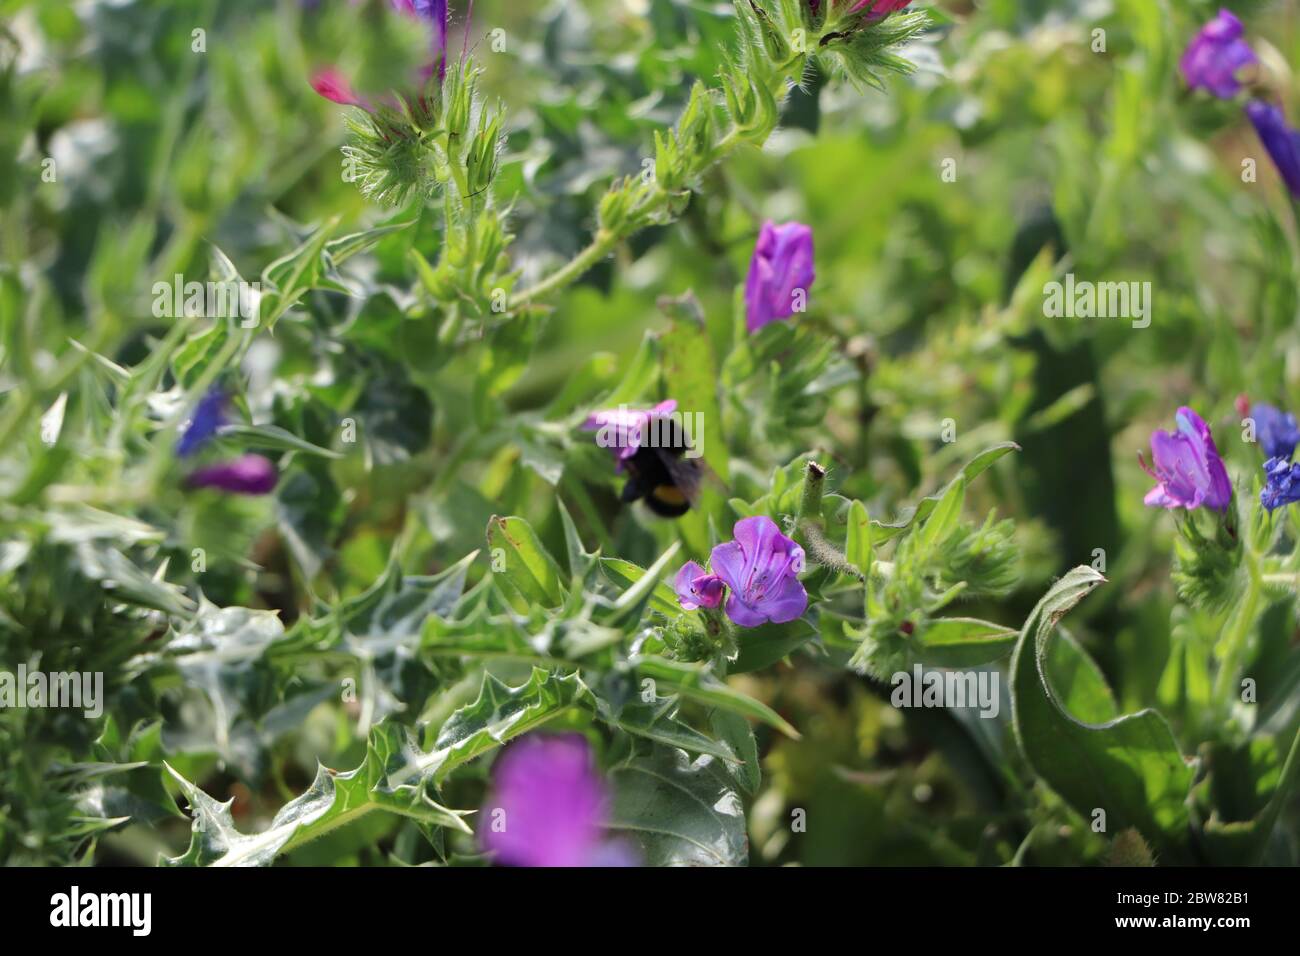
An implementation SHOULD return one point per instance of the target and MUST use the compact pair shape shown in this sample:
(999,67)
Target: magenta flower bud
(697,588)
(1215,56)
(549,807)
(1187,467)
(761,567)
(879,8)
(246,475)
(780,274)
(333,85)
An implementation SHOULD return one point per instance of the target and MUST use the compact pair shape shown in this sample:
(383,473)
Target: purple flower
(761,567)
(209,415)
(1215,55)
(625,429)
(331,83)
(1281,484)
(549,807)
(1187,467)
(1276,430)
(1281,141)
(697,588)
(780,274)
(246,475)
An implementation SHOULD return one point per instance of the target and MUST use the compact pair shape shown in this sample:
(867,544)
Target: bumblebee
(662,475)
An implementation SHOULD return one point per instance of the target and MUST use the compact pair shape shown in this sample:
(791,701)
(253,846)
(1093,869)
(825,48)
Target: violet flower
(1187,467)
(331,83)
(780,274)
(1276,431)
(246,475)
(1215,56)
(625,429)
(209,415)
(1281,484)
(549,807)
(760,568)
(1281,141)
(697,588)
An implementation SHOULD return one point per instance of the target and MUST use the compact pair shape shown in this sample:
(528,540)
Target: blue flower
(209,415)
(1281,141)
(1276,431)
(1282,484)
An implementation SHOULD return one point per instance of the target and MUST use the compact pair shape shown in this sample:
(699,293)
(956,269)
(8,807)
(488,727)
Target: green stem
(600,247)
(1234,642)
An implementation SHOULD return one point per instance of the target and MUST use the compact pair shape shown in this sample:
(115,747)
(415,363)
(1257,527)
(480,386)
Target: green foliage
(452,280)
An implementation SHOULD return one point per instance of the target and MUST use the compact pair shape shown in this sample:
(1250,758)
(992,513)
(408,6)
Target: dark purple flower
(209,415)
(331,83)
(1275,430)
(761,567)
(626,429)
(1215,56)
(1281,141)
(549,806)
(697,588)
(780,274)
(246,475)
(1187,467)
(1281,483)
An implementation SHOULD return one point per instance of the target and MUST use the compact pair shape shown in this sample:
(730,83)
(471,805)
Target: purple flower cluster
(549,807)
(1278,436)
(245,475)
(760,568)
(1187,467)
(1213,62)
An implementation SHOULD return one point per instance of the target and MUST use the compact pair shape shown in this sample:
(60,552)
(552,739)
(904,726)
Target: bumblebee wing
(686,473)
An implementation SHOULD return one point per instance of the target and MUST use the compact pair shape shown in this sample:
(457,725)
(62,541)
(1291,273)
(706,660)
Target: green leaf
(274,438)
(858,548)
(626,575)
(963,642)
(396,776)
(1129,766)
(641,591)
(943,519)
(530,576)
(698,683)
(766,644)
(908,516)
(656,720)
(679,812)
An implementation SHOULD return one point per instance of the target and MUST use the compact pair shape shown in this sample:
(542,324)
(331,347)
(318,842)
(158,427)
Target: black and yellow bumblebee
(661,474)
